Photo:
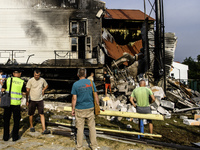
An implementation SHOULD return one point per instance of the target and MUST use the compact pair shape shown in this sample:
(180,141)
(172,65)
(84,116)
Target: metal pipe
(29,58)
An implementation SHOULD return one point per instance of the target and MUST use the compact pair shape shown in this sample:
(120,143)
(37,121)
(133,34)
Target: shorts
(32,107)
(107,85)
(144,110)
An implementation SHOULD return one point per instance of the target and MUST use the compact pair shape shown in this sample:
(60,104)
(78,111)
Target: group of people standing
(34,91)
(82,103)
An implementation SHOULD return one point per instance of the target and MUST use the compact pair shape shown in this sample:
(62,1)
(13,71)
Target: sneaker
(32,129)
(46,131)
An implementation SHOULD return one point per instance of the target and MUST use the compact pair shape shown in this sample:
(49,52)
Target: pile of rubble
(178,100)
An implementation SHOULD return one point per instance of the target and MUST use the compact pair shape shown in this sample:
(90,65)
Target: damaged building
(130,51)
(53,35)
(59,36)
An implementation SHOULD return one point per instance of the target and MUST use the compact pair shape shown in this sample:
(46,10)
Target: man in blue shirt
(83,108)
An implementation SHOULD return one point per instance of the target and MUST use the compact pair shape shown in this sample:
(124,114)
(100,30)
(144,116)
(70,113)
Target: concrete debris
(129,126)
(162,111)
(197,144)
(158,92)
(185,109)
(183,117)
(156,104)
(196,116)
(176,100)
(198,120)
(191,122)
(167,104)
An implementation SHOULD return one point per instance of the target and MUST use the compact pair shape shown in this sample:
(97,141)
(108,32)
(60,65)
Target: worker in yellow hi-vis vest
(17,89)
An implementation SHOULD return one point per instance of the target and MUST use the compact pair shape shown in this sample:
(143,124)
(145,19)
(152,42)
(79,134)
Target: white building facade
(179,71)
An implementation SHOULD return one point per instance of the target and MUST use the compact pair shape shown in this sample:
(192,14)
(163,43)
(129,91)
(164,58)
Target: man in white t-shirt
(34,99)
(91,77)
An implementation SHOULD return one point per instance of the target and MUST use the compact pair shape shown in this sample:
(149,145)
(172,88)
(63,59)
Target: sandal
(32,129)
(46,131)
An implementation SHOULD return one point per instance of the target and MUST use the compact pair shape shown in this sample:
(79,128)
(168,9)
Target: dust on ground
(172,130)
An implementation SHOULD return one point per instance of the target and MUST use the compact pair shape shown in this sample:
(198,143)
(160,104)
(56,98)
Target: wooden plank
(117,131)
(126,114)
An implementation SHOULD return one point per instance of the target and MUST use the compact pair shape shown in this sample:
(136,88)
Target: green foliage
(194,67)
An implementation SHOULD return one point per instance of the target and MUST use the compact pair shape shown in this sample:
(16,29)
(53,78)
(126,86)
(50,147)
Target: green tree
(198,58)
(194,67)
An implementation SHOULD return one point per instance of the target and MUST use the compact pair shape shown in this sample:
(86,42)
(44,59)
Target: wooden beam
(117,131)
(126,114)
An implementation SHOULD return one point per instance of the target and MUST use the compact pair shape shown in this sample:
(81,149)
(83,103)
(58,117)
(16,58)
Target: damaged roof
(116,51)
(125,14)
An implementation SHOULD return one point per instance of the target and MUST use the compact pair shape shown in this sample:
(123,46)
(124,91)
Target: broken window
(82,27)
(74,44)
(78,27)
(88,44)
(74,27)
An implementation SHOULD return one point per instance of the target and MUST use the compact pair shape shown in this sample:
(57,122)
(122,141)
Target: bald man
(141,96)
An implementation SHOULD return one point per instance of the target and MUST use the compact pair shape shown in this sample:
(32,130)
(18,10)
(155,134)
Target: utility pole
(159,64)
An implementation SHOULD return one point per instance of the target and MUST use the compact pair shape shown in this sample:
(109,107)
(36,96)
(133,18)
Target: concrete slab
(167,104)
(158,91)
(162,110)
(156,104)
(191,122)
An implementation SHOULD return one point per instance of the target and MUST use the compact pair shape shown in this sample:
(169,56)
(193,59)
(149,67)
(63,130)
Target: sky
(181,17)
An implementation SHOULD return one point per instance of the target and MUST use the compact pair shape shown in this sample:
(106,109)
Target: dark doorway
(81,47)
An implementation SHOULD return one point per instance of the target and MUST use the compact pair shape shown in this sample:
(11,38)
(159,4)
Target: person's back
(107,82)
(142,96)
(107,78)
(83,108)
(83,89)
